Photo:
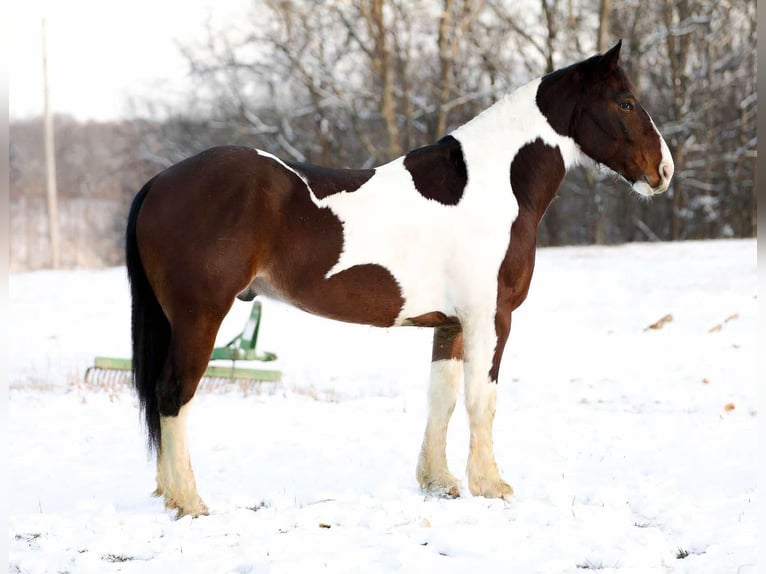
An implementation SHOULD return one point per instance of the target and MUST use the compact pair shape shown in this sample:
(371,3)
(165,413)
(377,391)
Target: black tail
(150,329)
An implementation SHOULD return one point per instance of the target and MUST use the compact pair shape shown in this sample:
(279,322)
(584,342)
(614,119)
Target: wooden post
(50,159)
(605,7)
(754,192)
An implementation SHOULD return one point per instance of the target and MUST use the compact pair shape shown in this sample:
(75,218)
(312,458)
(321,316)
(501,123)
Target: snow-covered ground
(630,450)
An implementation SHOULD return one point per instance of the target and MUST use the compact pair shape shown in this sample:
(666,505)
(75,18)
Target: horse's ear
(612,57)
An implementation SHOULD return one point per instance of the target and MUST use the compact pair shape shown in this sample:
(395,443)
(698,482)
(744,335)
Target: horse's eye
(627,106)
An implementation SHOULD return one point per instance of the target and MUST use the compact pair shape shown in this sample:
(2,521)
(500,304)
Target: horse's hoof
(453,492)
(193,509)
(195,513)
(442,489)
(497,488)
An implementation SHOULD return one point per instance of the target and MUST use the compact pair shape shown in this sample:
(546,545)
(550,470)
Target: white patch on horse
(432,471)
(499,132)
(444,258)
(175,478)
(483,475)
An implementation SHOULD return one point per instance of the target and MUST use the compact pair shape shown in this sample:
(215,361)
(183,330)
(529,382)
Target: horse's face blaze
(608,122)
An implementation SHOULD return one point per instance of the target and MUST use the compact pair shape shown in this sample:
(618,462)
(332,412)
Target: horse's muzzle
(665,170)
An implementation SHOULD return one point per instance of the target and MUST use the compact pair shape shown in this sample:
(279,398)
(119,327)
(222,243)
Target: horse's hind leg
(432,473)
(191,344)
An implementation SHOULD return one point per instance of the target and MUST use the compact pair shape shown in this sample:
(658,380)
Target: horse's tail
(150,329)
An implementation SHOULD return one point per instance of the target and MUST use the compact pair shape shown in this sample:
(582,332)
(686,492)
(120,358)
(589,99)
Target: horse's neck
(510,127)
(513,121)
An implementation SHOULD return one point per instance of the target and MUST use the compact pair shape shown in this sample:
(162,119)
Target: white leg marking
(480,401)
(433,474)
(174,471)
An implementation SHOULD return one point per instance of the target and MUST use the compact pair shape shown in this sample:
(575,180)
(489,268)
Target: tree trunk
(446,61)
(383,66)
(605,7)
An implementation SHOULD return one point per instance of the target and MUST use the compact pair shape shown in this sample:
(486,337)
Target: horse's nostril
(666,169)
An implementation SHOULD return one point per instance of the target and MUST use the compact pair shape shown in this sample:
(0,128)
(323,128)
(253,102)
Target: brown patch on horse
(296,264)
(367,294)
(447,343)
(438,171)
(216,222)
(325,181)
(432,319)
(561,93)
(536,174)
(594,98)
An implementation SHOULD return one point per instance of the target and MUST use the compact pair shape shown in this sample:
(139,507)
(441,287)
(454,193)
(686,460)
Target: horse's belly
(369,294)
(464,282)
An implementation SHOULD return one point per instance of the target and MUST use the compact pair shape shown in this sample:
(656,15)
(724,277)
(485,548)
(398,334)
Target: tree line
(357,84)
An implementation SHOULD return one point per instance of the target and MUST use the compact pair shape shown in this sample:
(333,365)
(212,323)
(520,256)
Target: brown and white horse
(442,237)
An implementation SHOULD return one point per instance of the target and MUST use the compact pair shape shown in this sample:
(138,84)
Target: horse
(442,237)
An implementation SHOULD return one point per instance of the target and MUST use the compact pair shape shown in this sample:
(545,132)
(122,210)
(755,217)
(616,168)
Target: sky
(102,53)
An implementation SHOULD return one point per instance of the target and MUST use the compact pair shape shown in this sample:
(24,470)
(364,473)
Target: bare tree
(697,73)
(605,7)
(356,85)
(98,171)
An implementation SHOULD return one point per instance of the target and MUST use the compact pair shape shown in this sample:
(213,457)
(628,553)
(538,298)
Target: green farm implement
(240,348)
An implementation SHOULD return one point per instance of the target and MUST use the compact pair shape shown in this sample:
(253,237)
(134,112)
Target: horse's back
(216,179)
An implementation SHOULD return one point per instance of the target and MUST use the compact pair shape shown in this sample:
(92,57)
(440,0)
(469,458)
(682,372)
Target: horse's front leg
(433,474)
(485,339)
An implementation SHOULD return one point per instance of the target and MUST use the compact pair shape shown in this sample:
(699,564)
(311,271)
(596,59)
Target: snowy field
(629,449)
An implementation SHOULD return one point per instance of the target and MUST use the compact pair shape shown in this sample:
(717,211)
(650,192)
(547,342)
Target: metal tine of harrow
(219,382)
(107,377)
(115,377)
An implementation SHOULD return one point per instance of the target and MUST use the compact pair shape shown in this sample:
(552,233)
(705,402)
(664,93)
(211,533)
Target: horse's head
(593,103)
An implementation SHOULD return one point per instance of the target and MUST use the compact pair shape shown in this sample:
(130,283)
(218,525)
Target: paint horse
(442,237)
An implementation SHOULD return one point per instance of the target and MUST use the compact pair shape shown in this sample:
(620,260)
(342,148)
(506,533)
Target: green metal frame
(240,348)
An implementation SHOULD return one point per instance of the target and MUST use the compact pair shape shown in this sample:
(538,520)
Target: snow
(627,447)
